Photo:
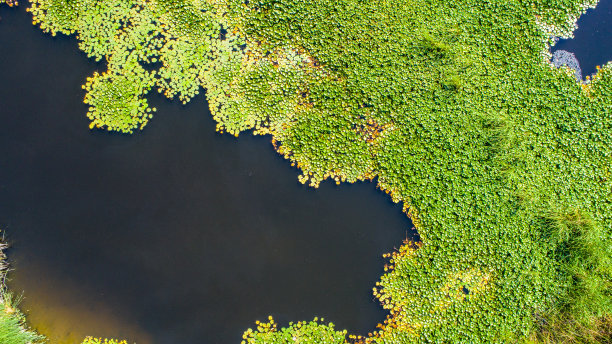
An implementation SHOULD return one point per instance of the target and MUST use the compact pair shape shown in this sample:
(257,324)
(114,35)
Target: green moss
(500,159)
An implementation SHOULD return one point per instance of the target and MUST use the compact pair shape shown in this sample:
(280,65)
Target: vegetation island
(453,108)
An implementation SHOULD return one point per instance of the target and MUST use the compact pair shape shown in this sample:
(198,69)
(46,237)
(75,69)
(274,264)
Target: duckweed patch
(501,159)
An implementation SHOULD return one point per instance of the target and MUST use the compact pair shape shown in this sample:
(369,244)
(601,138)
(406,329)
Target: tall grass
(12,322)
(569,331)
(585,265)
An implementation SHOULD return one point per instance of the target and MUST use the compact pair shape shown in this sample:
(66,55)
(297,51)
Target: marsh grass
(570,331)
(585,313)
(12,323)
(13,329)
(434,45)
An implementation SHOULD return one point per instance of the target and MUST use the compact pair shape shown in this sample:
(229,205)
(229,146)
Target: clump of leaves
(92,340)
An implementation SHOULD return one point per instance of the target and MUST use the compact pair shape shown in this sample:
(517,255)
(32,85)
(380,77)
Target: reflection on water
(592,42)
(176,234)
(64,312)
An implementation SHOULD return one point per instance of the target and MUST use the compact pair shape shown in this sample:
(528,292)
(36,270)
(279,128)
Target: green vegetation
(502,161)
(12,323)
(585,259)
(91,340)
(300,332)
(13,329)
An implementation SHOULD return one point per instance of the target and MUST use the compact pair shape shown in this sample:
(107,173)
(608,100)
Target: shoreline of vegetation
(13,328)
(13,323)
(501,160)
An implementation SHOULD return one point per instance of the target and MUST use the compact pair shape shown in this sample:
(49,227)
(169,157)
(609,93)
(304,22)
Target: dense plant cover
(12,323)
(301,332)
(502,161)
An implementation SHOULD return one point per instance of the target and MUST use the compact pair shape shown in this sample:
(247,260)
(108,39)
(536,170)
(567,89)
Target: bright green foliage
(115,98)
(12,323)
(302,332)
(581,246)
(501,160)
(91,340)
(13,329)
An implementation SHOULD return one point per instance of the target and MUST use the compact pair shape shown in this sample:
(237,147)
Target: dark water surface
(176,234)
(592,42)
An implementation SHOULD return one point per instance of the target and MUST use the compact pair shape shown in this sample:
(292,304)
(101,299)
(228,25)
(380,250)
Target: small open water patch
(592,42)
(565,58)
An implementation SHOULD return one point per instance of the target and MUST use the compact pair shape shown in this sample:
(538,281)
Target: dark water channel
(592,42)
(173,235)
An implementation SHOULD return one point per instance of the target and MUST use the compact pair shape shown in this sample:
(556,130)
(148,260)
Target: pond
(176,234)
(592,42)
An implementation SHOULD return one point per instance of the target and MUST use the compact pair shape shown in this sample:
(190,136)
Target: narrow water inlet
(175,234)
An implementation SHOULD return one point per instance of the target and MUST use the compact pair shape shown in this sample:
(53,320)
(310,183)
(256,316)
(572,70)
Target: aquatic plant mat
(452,107)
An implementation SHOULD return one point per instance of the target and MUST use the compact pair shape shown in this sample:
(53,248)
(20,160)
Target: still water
(592,42)
(173,235)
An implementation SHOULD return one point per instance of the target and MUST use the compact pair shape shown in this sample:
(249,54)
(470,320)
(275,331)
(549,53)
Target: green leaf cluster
(92,340)
(314,332)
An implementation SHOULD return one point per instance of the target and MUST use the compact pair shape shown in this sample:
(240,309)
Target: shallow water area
(173,235)
(592,42)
